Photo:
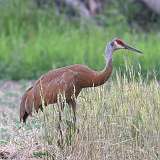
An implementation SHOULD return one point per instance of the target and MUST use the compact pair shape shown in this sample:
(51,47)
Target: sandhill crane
(69,80)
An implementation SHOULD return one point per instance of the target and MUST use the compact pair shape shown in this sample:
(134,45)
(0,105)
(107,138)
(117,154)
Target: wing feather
(47,88)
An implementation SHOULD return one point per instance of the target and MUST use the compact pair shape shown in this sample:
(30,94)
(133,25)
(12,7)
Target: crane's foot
(77,130)
(60,144)
(72,125)
(71,132)
(60,141)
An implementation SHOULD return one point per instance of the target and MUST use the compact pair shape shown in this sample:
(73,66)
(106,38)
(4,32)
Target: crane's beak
(132,49)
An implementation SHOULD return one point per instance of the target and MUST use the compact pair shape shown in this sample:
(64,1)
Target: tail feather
(31,99)
(26,105)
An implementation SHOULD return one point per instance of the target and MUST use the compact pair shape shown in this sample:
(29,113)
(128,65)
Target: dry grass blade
(120,120)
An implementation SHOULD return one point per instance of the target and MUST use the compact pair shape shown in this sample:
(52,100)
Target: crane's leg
(73,105)
(60,109)
(71,125)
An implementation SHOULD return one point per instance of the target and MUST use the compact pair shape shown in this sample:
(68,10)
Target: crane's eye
(112,44)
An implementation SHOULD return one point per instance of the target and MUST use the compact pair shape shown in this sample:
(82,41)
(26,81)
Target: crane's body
(68,81)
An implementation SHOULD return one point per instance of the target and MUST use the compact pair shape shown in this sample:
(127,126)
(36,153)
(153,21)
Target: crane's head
(117,43)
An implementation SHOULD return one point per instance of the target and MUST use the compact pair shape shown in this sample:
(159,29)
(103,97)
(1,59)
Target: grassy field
(120,120)
(33,40)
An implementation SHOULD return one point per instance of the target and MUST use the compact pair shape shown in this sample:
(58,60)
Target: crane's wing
(47,91)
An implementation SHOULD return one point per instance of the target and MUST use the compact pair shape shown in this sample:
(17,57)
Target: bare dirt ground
(10,94)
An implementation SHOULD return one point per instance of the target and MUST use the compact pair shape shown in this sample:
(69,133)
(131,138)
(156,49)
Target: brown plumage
(68,81)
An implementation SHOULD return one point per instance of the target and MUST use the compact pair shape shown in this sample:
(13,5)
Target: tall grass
(117,121)
(120,120)
(34,40)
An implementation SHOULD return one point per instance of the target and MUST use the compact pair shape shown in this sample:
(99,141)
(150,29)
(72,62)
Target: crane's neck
(108,57)
(103,75)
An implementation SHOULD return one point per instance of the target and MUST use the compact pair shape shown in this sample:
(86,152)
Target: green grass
(33,40)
